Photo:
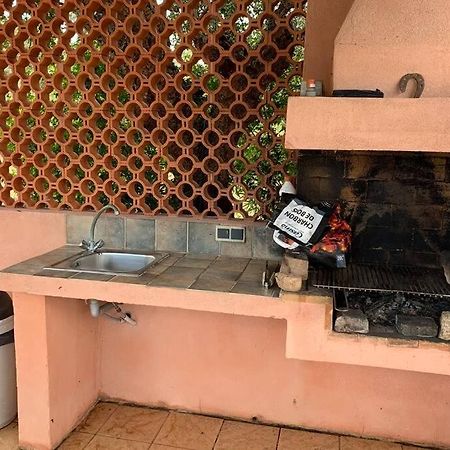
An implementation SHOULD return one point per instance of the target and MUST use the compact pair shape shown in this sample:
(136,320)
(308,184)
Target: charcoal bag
(300,222)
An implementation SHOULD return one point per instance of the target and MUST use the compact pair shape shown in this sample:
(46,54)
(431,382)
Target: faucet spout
(92,245)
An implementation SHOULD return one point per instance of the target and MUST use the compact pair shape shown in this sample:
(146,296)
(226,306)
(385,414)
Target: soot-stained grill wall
(398,205)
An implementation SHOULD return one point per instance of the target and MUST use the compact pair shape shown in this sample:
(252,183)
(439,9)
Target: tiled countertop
(196,282)
(178,270)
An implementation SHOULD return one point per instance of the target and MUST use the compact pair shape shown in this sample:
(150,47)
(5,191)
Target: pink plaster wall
(380,41)
(25,234)
(229,364)
(375,44)
(72,338)
(325,18)
(235,366)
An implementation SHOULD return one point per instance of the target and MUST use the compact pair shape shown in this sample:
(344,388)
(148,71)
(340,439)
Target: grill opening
(389,279)
(392,314)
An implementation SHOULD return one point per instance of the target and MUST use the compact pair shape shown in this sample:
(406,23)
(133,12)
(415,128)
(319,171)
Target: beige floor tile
(189,431)
(136,424)
(305,440)
(351,443)
(97,417)
(76,441)
(246,436)
(9,437)
(109,443)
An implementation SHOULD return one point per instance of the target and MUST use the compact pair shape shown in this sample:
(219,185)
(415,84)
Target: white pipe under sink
(97,308)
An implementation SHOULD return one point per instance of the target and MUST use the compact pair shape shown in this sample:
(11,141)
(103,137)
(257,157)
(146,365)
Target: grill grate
(407,280)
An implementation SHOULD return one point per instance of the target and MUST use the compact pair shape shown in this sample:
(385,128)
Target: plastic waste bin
(8,387)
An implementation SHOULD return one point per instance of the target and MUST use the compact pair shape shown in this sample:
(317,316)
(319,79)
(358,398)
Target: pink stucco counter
(214,352)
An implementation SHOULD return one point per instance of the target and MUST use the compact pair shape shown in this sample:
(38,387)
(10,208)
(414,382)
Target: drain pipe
(94,307)
(97,309)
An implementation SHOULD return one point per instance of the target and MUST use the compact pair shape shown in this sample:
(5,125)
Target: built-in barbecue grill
(389,171)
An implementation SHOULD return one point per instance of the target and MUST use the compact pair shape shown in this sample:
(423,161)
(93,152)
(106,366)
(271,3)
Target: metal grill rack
(408,280)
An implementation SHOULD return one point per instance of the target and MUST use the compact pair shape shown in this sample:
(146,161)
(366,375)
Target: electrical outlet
(222,234)
(230,234)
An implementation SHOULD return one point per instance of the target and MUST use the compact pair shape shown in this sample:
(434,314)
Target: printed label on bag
(298,221)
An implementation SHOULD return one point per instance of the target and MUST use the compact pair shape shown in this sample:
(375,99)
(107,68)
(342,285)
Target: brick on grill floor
(352,321)
(444,333)
(412,326)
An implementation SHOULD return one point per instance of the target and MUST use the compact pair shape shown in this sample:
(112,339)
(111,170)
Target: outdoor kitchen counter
(230,285)
(58,342)
(175,270)
(188,281)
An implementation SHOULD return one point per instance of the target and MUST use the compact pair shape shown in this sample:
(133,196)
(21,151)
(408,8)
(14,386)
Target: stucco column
(30,329)
(56,348)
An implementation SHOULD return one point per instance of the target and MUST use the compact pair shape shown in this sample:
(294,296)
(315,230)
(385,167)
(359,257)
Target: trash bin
(8,389)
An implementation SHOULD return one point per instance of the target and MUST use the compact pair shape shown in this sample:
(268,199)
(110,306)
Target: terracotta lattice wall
(170,107)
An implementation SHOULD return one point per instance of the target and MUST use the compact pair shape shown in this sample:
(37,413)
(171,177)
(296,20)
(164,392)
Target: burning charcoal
(413,326)
(352,321)
(445,326)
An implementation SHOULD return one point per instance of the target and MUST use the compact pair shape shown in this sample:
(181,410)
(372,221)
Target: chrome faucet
(91,245)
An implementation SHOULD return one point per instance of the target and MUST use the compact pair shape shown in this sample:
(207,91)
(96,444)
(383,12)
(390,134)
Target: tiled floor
(119,427)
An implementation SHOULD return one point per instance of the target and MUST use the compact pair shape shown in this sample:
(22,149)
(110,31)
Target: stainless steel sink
(113,262)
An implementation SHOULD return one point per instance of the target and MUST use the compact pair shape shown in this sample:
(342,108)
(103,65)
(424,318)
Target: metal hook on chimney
(420,83)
